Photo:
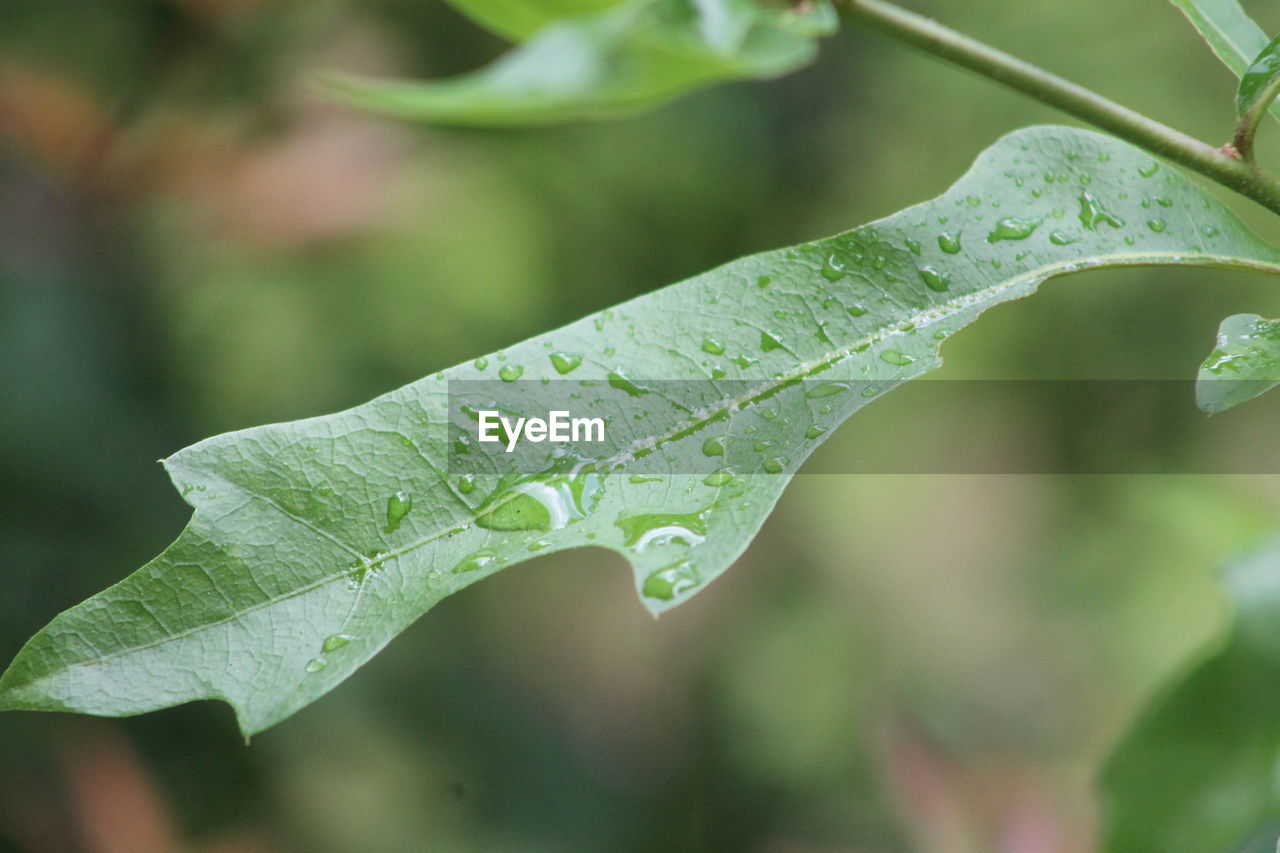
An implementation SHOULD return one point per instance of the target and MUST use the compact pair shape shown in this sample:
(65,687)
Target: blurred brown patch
(328,176)
(50,119)
(117,806)
(980,803)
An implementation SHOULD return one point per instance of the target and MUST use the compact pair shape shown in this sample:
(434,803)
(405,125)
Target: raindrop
(333,642)
(935,279)
(511,372)
(622,383)
(650,530)
(826,389)
(565,362)
(475,562)
(1013,228)
(542,504)
(398,506)
(719,477)
(832,269)
(1092,213)
(674,580)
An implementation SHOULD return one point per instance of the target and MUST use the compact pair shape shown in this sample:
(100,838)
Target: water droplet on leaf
(398,506)
(650,530)
(667,583)
(333,642)
(475,562)
(565,362)
(719,477)
(832,268)
(1013,228)
(826,389)
(775,465)
(622,383)
(935,279)
(1093,213)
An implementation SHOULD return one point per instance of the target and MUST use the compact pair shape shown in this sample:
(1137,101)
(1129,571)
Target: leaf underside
(519,19)
(1197,773)
(636,54)
(291,575)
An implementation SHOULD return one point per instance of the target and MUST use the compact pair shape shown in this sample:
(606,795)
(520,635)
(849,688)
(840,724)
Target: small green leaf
(1258,89)
(1244,364)
(1198,772)
(637,54)
(519,19)
(352,525)
(1234,36)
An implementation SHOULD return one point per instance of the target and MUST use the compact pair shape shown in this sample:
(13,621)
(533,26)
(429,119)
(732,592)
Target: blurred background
(191,242)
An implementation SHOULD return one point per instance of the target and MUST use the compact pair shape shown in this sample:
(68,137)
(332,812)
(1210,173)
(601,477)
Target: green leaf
(1234,36)
(1198,771)
(313,543)
(1258,89)
(519,19)
(627,57)
(1244,364)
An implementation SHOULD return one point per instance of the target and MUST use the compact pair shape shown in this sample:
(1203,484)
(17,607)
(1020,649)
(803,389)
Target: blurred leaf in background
(1198,772)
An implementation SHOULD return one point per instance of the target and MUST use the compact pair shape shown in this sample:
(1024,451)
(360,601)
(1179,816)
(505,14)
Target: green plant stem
(937,40)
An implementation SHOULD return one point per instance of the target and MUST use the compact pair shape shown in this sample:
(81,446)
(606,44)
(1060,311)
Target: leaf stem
(933,38)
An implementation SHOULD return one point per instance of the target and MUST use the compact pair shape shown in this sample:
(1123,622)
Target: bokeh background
(192,242)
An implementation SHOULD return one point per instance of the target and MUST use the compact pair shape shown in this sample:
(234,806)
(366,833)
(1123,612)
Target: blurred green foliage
(193,243)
